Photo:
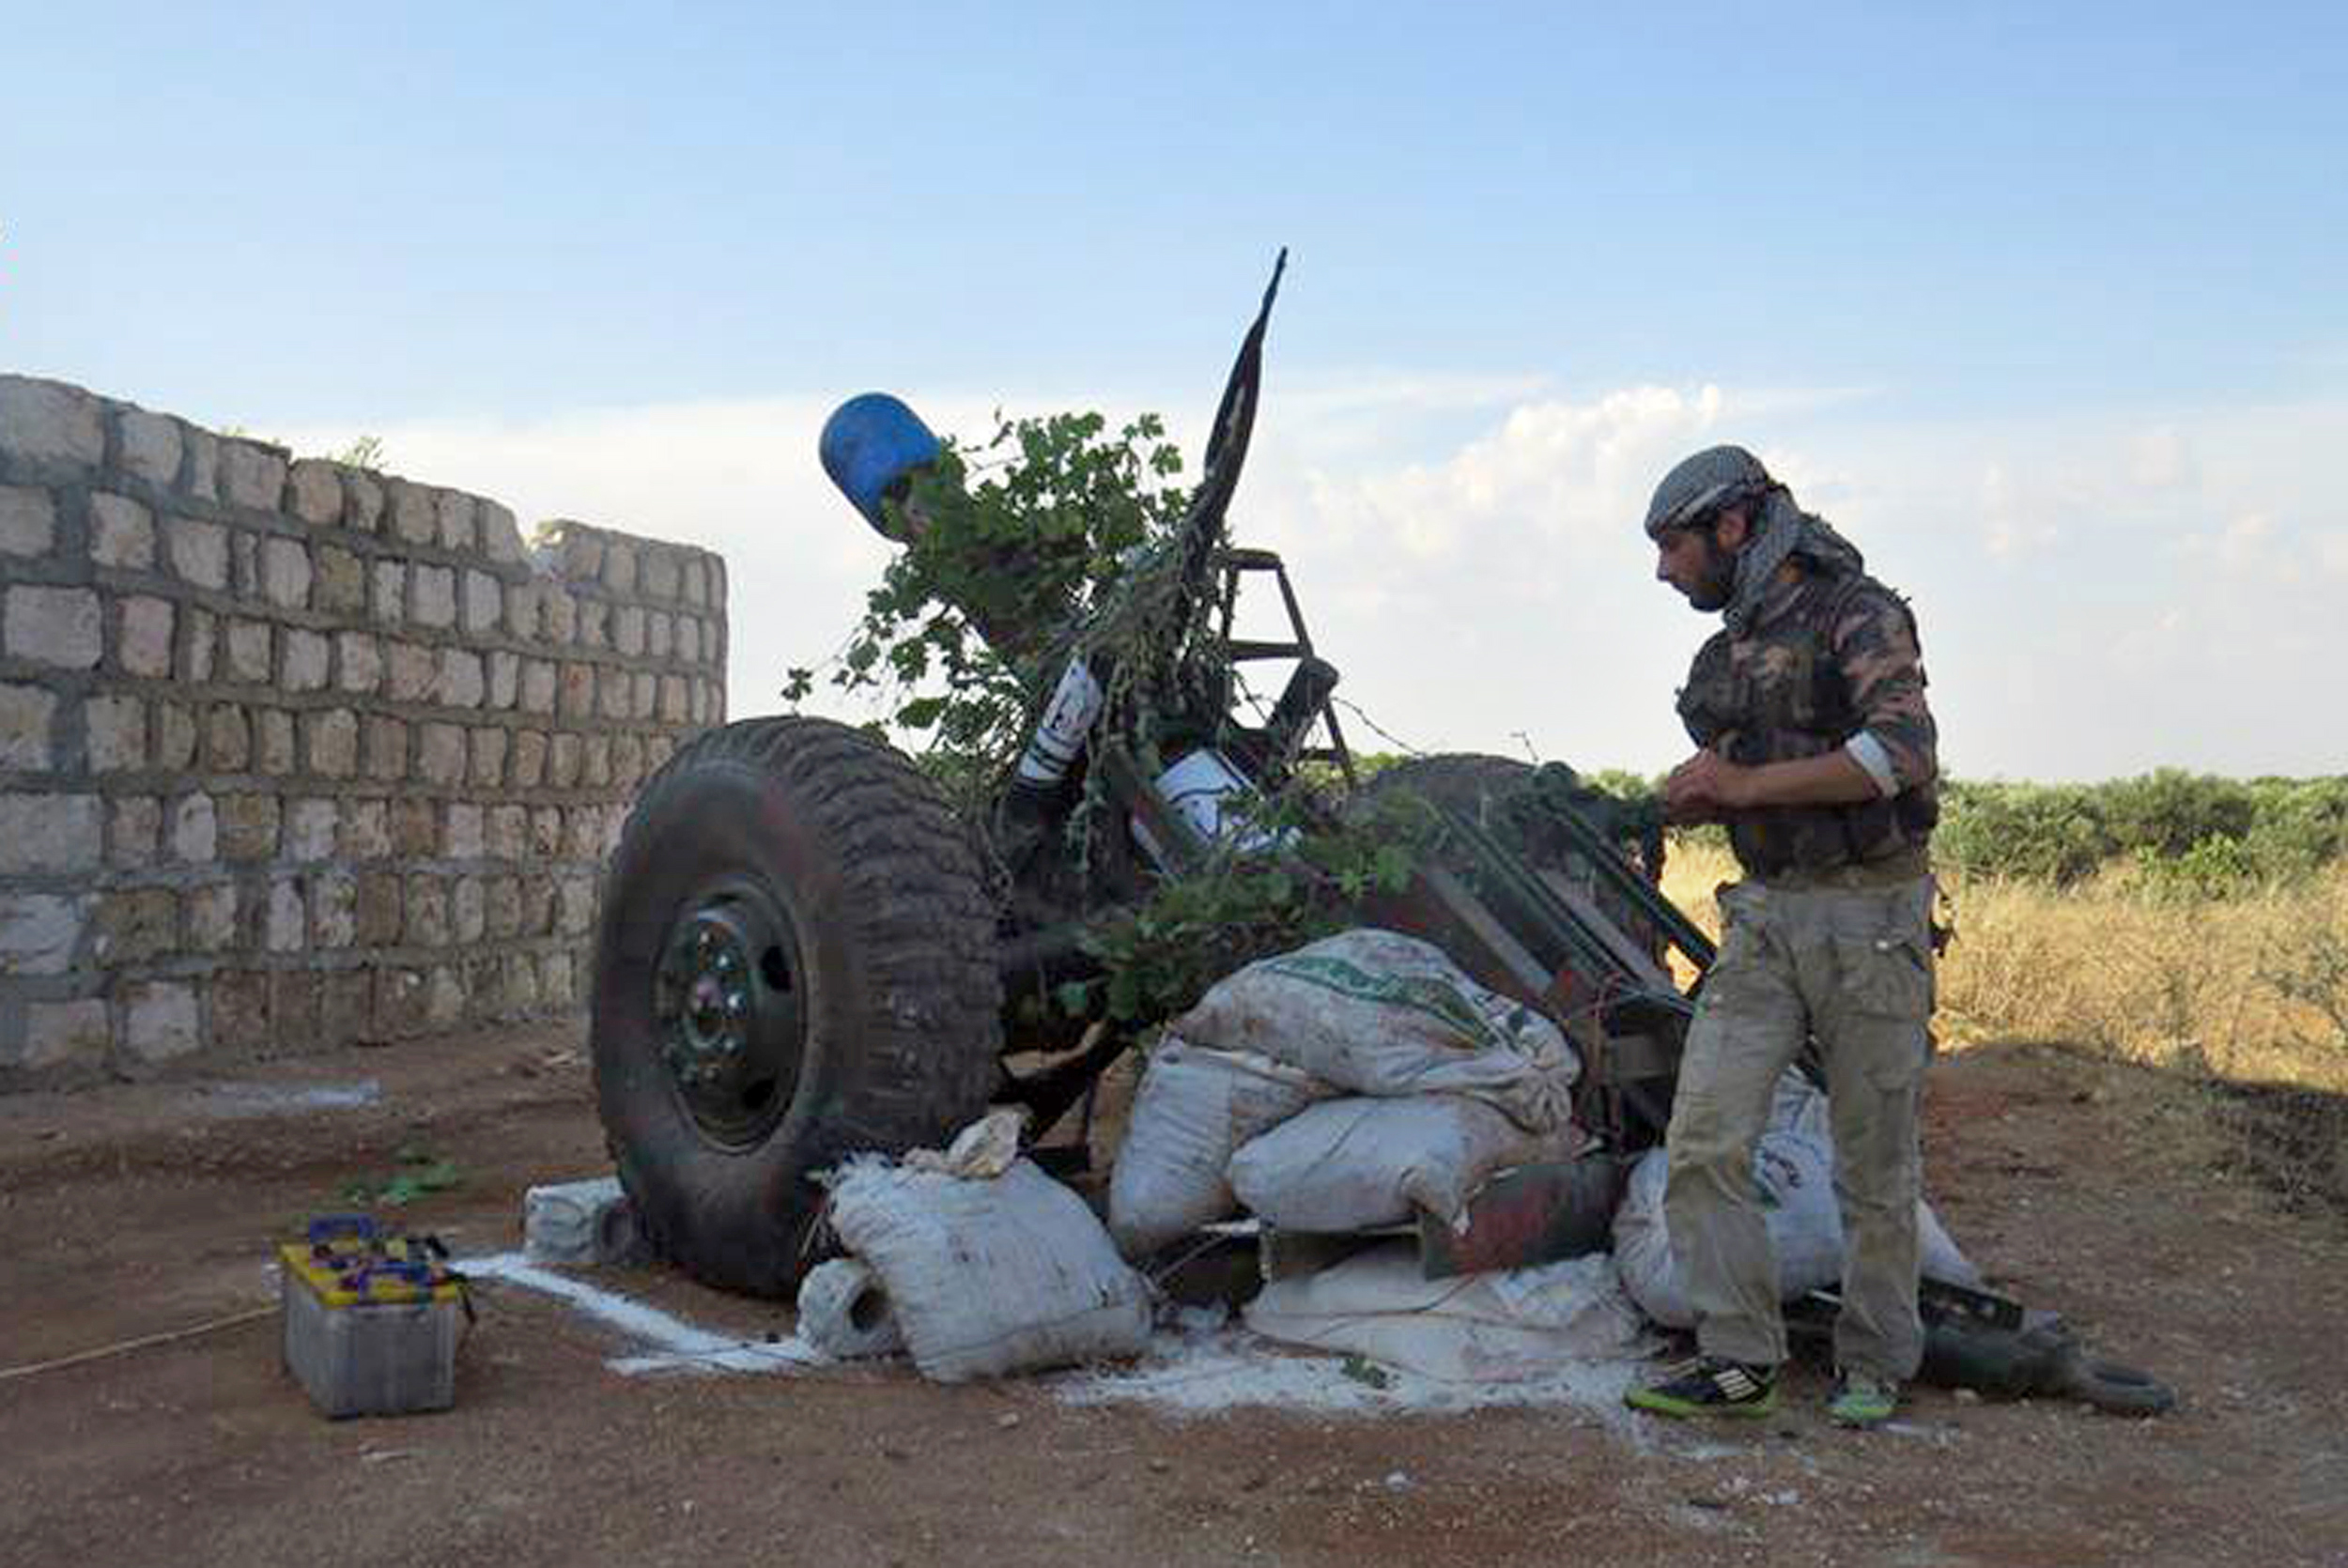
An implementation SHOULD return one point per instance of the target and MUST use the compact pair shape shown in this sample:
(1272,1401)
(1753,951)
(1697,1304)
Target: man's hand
(1704,788)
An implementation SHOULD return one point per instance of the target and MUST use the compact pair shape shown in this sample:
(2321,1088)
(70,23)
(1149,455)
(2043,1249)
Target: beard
(1717,584)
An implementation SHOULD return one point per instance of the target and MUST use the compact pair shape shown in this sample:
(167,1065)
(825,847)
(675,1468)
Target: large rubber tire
(794,962)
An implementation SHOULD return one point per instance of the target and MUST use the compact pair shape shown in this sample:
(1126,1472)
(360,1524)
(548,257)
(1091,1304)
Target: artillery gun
(804,952)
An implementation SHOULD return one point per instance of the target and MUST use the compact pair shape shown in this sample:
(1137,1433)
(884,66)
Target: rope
(144,1342)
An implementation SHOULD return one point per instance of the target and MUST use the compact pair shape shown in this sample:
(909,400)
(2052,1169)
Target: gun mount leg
(795,962)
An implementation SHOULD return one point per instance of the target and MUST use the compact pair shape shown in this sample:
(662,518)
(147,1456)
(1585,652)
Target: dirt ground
(134,1210)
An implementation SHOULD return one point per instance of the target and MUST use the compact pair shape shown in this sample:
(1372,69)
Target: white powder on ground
(673,1345)
(1200,1373)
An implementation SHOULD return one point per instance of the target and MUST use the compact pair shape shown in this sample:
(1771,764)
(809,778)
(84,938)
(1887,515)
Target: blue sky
(2041,305)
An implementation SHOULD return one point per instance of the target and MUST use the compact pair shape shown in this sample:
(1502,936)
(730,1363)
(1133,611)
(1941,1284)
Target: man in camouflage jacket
(1815,747)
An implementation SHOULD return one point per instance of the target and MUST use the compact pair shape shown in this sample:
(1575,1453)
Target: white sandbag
(1505,1327)
(581,1224)
(1193,1109)
(1795,1174)
(1800,1106)
(989,1277)
(1359,1163)
(1375,1012)
(1796,1177)
(845,1312)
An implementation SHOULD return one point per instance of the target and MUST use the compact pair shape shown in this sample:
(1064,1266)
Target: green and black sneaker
(1708,1386)
(1863,1399)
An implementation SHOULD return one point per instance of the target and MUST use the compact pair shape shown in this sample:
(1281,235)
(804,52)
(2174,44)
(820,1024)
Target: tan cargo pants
(1852,965)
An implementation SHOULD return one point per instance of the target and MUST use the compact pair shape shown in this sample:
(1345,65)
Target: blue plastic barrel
(870,443)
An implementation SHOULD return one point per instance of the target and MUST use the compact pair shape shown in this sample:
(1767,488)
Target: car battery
(371,1319)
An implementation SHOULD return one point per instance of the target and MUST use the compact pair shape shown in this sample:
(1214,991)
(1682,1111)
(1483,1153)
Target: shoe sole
(1664,1406)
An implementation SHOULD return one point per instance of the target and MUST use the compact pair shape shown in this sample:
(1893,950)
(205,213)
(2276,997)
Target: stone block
(272,741)
(160,1020)
(577,699)
(309,825)
(297,1008)
(415,828)
(114,733)
(314,491)
(60,627)
(47,421)
(689,639)
(248,826)
(363,500)
(307,657)
(67,1033)
(695,582)
(538,678)
(432,596)
(627,630)
(412,512)
(468,915)
(454,511)
(346,1005)
(461,684)
(484,602)
(558,613)
(546,831)
(440,754)
(612,688)
(285,573)
(500,538)
(149,447)
(196,551)
(426,902)
(487,768)
(121,533)
(575,905)
(203,464)
(240,999)
(504,677)
(171,736)
(380,909)
(39,932)
(677,699)
(628,761)
(387,599)
(595,761)
(27,713)
(462,831)
(366,828)
(285,921)
(252,474)
(385,751)
(227,739)
(595,623)
(51,832)
(400,1003)
(529,768)
(199,644)
(445,997)
(557,980)
(339,587)
(134,829)
(619,566)
(508,835)
(660,575)
(410,670)
(334,908)
(502,902)
(521,610)
(331,740)
(643,689)
(144,644)
(249,653)
(563,762)
(134,926)
(29,520)
(211,911)
(659,635)
(538,896)
(358,662)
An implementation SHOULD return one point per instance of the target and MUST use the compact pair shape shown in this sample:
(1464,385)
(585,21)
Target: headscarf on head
(1776,529)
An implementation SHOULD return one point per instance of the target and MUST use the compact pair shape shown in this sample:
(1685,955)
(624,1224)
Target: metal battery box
(371,1320)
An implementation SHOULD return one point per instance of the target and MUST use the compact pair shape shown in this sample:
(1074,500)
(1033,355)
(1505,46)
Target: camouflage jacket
(1830,655)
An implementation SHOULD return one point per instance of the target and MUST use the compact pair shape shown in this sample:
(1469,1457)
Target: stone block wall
(294,754)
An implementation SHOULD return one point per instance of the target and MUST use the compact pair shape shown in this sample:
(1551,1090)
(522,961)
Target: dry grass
(2244,998)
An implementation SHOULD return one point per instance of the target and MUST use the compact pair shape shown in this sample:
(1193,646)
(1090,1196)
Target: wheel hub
(726,1009)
